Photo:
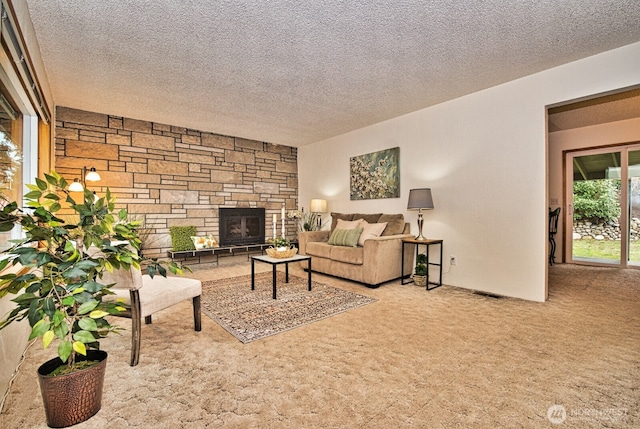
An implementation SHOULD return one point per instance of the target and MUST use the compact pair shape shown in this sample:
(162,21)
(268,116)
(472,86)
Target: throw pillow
(371,230)
(206,242)
(348,224)
(336,216)
(181,237)
(345,237)
(395,224)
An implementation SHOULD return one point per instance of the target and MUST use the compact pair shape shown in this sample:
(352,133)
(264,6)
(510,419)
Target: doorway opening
(607,122)
(603,206)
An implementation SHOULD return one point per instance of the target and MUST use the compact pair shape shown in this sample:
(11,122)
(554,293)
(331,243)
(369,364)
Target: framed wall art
(375,175)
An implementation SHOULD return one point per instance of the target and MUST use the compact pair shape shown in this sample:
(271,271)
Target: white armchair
(143,296)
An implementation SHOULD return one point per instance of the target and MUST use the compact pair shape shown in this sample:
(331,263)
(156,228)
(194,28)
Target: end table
(427,243)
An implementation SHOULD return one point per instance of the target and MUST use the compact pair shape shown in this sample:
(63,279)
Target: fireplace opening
(242,226)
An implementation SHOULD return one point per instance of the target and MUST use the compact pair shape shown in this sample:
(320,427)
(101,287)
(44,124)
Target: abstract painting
(375,175)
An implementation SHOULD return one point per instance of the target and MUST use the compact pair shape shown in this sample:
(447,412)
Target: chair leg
(197,314)
(147,320)
(136,327)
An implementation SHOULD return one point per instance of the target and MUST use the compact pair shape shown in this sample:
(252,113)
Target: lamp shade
(92,175)
(420,199)
(318,205)
(76,186)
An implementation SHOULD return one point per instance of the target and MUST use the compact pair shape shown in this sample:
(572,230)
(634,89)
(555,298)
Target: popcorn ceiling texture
(294,73)
(414,359)
(172,176)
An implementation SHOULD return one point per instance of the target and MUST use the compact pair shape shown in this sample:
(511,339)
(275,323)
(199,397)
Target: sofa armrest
(308,236)
(383,255)
(389,237)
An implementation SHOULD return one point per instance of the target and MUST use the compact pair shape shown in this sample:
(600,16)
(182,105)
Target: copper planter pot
(72,398)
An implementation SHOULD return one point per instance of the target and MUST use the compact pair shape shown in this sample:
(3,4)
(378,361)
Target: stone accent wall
(584,229)
(167,175)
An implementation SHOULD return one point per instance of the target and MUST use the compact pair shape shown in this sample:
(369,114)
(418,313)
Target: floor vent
(487,294)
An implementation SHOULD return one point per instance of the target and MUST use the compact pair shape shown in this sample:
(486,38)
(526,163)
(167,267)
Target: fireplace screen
(242,226)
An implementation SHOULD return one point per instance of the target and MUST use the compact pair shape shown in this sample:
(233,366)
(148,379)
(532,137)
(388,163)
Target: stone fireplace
(242,226)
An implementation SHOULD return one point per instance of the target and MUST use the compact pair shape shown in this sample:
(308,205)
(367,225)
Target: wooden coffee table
(274,263)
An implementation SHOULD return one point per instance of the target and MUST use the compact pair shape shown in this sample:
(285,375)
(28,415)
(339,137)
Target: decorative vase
(420,280)
(72,398)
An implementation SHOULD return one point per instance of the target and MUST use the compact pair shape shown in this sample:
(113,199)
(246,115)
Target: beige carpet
(447,358)
(251,315)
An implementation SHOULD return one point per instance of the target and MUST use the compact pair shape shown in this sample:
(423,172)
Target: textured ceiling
(293,73)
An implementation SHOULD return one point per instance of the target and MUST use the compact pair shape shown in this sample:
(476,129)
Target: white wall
(612,133)
(13,341)
(484,156)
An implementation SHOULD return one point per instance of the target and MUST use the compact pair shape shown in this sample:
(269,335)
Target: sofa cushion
(349,255)
(345,237)
(395,224)
(370,230)
(321,249)
(336,216)
(371,218)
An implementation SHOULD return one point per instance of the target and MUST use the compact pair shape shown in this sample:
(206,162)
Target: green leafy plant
(421,265)
(306,221)
(596,200)
(281,242)
(310,222)
(148,237)
(56,280)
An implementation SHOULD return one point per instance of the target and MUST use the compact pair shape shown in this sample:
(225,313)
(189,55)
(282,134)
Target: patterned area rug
(251,315)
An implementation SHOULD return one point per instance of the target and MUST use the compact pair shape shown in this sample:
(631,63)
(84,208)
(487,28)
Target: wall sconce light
(420,199)
(76,186)
(90,175)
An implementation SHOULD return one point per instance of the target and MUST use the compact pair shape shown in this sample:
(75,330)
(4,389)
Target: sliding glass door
(634,207)
(603,195)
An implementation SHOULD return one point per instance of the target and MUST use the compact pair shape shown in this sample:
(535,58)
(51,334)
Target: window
(10,158)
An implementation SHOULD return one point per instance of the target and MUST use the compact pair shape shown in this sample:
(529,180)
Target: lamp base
(420,237)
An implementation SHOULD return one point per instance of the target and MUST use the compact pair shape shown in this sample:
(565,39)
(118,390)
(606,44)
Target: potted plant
(58,286)
(420,270)
(281,244)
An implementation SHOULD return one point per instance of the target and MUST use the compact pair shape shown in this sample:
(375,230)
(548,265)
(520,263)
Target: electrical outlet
(453,260)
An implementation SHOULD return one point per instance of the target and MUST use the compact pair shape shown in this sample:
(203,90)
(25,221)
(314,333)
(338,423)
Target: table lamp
(420,199)
(318,206)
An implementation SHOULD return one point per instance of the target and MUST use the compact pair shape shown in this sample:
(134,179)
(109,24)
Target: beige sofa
(376,261)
